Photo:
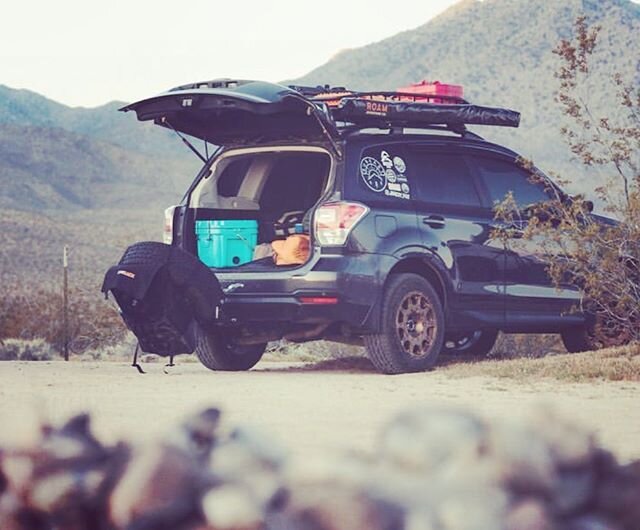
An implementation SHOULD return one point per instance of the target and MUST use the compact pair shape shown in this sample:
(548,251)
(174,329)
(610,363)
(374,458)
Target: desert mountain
(54,156)
(501,51)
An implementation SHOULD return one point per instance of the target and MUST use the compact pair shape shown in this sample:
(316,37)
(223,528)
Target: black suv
(397,198)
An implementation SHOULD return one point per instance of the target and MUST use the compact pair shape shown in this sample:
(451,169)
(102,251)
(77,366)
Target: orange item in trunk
(291,251)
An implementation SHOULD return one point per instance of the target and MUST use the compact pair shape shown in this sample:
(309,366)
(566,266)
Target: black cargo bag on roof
(163,292)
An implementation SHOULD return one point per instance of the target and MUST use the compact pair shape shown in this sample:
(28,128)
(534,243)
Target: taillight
(167,234)
(335,220)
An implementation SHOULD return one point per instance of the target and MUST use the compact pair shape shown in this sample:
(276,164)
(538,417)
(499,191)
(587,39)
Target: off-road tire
(386,350)
(481,343)
(593,336)
(217,353)
(577,340)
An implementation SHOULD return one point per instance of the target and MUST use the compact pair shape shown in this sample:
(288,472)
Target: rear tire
(412,330)
(475,344)
(220,354)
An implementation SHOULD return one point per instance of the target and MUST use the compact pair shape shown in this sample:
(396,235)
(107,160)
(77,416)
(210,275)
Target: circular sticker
(391,175)
(399,164)
(373,174)
(405,187)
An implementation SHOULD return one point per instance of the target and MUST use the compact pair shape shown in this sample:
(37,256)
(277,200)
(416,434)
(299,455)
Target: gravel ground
(312,408)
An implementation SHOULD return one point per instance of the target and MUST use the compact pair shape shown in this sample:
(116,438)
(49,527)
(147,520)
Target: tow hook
(233,287)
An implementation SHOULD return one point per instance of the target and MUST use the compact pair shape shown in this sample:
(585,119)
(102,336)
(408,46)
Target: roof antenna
(186,142)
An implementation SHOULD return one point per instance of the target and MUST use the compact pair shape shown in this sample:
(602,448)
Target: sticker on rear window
(386,174)
(373,174)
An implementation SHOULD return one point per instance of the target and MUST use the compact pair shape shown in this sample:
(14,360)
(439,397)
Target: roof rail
(462,130)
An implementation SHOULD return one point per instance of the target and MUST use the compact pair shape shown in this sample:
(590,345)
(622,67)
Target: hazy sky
(85,52)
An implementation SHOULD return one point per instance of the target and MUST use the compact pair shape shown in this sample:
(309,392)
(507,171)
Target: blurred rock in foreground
(431,469)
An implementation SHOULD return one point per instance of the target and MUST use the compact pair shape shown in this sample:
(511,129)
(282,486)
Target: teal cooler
(227,243)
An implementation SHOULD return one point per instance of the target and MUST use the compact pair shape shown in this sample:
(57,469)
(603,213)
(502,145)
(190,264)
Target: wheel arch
(421,264)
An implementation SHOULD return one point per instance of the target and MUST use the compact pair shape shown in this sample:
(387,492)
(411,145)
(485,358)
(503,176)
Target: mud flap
(163,292)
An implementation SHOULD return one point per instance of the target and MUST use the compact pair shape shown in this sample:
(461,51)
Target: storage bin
(426,91)
(226,243)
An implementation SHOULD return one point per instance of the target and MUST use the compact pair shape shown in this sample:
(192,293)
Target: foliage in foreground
(439,468)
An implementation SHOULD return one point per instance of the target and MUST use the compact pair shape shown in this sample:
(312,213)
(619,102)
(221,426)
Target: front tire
(595,337)
(412,330)
(219,353)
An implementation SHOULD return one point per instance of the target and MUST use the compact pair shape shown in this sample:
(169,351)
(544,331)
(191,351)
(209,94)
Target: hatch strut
(313,109)
(186,142)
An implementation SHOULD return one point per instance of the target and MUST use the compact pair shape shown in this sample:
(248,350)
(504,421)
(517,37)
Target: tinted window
(443,179)
(502,177)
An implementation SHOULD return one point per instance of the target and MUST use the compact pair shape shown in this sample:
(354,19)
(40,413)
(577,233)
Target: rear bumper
(354,280)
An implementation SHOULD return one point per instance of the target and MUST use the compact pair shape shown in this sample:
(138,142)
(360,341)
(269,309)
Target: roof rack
(397,109)
(332,96)
(461,130)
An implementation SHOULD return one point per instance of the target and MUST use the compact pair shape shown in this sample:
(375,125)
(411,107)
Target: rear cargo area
(254,201)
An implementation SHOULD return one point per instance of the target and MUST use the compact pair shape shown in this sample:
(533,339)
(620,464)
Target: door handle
(434,221)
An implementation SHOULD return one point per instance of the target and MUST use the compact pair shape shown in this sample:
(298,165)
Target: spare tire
(163,292)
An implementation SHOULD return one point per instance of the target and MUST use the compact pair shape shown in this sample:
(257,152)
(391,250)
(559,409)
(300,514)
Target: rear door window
(382,173)
(443,179)
(503,176)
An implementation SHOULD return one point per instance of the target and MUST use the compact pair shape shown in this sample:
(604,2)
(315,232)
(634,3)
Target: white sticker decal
(373,174)
(386,160)
(391,175)
(386,175)
(399,164)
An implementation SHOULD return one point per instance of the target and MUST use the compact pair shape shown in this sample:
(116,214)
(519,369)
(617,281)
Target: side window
(442,178)
(502,177)
(382,173)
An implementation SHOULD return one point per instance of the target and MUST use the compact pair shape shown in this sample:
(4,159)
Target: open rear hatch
(226,112)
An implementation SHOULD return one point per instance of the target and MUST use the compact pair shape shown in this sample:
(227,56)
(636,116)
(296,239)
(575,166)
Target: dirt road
(310,409)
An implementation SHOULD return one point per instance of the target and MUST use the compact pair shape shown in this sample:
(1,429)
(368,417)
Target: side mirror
(588,205)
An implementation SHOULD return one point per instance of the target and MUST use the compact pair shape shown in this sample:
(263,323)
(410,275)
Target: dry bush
(529,345)
(611,364)
(25,350)
(283,350)
(601,257)
(26,314)
(31,274)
